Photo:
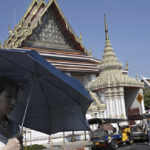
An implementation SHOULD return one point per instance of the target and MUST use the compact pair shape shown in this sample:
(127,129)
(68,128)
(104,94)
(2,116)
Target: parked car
(136,122)
(102,137)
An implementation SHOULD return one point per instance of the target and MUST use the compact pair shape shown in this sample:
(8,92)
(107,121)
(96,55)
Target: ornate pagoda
(117,89)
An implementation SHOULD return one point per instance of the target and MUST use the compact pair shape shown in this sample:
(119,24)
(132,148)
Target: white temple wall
(131,102)
(68,73)
(80,78)
(88,78)
(84,79)
(88,115)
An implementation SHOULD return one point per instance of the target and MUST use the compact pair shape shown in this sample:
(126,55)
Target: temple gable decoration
(48,34)
(33,18)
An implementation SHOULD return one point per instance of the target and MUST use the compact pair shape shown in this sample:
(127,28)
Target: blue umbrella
(51,100)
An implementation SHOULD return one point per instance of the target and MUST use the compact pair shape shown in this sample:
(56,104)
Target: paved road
(138,145)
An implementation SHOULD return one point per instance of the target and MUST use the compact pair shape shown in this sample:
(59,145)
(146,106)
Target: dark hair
(146,111)
(6,83)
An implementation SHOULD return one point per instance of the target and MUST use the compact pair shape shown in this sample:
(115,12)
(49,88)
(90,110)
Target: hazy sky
(128,27)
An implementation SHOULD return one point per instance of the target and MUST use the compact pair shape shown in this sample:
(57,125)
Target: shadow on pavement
(59,146)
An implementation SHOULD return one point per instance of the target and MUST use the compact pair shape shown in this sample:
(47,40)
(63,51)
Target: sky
(128,25)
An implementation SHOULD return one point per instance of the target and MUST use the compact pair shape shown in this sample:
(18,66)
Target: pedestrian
(148,128)
(145,124)
(9,130)
(146,113)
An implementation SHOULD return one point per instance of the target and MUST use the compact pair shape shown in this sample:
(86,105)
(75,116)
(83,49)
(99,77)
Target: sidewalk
(68,145)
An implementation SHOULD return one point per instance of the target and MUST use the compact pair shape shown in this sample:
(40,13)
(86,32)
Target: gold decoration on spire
(1,46)
(106,30)
(5,45)
(127,66)
(80,38)
(90,52)
(10,31)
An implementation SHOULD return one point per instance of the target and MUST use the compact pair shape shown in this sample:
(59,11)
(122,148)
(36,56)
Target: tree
(146,93)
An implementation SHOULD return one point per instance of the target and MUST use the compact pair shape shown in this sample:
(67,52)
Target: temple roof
(146,81)
(69,61)
(111,74)
(33,19)
(45,29)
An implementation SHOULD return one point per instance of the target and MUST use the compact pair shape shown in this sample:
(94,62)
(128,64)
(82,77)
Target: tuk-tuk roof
(136,117)
(104,120)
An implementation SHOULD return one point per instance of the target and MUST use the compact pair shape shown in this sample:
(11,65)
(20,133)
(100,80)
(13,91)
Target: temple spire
(106,30)
(137,78)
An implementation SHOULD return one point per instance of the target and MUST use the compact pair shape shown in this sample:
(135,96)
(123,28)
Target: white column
(143,106)
(92,76)
(68,73)
(86,79)
(116,108)
(107,108)
(119,105)
(111,109)
(142,103)
(123,110)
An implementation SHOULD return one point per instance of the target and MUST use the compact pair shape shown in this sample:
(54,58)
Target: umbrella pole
(27,106)
(73,140)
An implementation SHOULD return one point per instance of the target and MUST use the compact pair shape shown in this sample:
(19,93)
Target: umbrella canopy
(57,102)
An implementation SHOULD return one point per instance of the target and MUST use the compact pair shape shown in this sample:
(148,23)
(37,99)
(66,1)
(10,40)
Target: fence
(32,137)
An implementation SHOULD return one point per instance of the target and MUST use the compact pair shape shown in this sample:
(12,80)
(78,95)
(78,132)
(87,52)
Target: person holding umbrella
(9,130)
(50,101)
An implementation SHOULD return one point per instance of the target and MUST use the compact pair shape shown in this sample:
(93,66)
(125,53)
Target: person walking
(148,128)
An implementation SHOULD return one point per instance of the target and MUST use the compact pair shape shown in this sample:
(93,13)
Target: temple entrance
(133,107)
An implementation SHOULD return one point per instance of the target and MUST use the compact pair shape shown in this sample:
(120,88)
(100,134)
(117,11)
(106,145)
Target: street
(138,145)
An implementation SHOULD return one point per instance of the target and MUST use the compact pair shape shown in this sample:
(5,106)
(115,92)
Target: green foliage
(34,147)
(146,93)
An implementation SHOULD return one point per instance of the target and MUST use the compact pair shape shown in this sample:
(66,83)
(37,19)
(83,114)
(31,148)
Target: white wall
(84,79)
(130,99)
(80,78)
(68,73)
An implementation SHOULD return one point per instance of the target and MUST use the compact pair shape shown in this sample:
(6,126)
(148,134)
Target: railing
(69,136)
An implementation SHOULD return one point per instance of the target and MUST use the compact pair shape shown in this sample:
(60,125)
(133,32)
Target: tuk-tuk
(136,123)
(102,137)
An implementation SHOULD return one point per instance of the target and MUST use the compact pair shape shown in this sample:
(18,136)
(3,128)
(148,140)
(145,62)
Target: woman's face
(7,101)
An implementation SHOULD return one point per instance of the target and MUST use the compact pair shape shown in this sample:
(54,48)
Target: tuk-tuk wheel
(113,144)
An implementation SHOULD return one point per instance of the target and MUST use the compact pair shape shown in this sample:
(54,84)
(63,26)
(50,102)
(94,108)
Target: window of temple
(95,115)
